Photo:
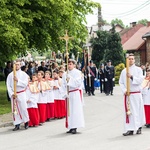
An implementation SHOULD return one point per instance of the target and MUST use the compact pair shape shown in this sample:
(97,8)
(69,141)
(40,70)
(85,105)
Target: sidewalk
(6,120)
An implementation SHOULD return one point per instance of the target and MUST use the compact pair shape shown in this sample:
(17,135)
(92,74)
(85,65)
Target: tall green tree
(117,21)
(38,24)
(143,21)
(99,46)
(114,51)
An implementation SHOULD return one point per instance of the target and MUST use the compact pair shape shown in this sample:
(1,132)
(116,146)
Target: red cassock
(50,110)
(42,112)
(147,113)
(32,97)
(34,116)
(59,108)
(42,102)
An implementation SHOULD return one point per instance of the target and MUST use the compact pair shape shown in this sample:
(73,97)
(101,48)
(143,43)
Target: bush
(118,70)
(2,77)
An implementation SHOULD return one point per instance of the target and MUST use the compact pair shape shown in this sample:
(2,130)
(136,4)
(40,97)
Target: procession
(42,107)
(74,75)
(47,95)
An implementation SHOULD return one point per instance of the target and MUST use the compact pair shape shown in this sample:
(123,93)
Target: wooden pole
(127,79)
(14,73)
(15,91)
(128,86)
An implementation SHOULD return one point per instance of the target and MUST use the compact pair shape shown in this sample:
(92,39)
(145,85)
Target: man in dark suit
(31,69)
(42,67)
(109,77)
(101,77)
(91,75)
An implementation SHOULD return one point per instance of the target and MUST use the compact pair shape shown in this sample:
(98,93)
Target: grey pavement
(103,130)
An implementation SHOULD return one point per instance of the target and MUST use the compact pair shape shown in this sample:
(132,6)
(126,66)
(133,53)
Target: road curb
(6,124)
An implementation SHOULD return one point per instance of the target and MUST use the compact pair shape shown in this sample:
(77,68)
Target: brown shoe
(128,133)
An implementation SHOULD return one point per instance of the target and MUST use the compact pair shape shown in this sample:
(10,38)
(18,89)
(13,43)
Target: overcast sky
(126,10)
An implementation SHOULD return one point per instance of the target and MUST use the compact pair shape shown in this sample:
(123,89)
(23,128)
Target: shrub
(118,70)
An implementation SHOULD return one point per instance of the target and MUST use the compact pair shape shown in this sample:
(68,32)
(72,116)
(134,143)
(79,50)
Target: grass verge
(5,105)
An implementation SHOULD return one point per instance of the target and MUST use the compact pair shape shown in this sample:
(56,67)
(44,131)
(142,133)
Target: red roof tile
(136,41)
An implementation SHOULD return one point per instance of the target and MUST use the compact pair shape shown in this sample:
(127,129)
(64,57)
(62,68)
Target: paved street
(103,130)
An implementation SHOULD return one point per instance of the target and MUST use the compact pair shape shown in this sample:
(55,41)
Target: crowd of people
(102,78)
(41,94)
(42,91)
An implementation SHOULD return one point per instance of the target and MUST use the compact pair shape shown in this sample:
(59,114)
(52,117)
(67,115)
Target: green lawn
(5,106)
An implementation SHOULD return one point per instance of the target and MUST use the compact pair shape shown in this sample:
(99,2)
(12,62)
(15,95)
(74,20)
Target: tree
(117,21)
(114,51)
(99,45)
(143,21)
(38,24)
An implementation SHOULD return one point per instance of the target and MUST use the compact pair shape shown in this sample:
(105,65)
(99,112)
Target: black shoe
(128,133)
(89,94)
(70,131)
(74,131)
(93,94)
(139,131)
(17,127)
(40,124)
(48,120)
(26,125)
(147,125)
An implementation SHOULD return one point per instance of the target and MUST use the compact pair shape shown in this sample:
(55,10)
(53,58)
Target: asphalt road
(103,130)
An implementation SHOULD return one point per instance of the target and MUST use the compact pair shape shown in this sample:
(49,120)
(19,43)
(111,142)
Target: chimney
(148,23)
(133,24)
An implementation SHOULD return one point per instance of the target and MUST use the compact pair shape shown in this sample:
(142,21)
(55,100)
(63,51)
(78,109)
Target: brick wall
(148,49)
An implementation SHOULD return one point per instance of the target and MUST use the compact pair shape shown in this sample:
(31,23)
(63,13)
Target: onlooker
(101,77)
(109,77)
(91,75)
(147,65)
(7,70)
(31,69)
(143,70)
(42,67)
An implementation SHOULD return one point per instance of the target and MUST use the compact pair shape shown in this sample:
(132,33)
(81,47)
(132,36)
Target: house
(135,42)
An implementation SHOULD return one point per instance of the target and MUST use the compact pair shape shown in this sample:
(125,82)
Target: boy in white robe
(146,98)
(50,96)
(18,102)
(32,99)
(74,80)
(42,102)
(58,99)
(136,119)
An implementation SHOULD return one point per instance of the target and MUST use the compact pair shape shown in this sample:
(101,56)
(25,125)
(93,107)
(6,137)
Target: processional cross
(67,38)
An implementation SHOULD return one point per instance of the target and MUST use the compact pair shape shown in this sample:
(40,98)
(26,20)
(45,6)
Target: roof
(136,41)
(146,35)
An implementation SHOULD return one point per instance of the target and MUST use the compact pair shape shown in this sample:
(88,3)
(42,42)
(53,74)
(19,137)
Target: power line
(133,10)
(130,13)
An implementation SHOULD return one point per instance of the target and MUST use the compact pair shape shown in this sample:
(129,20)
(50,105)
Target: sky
(126,10)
